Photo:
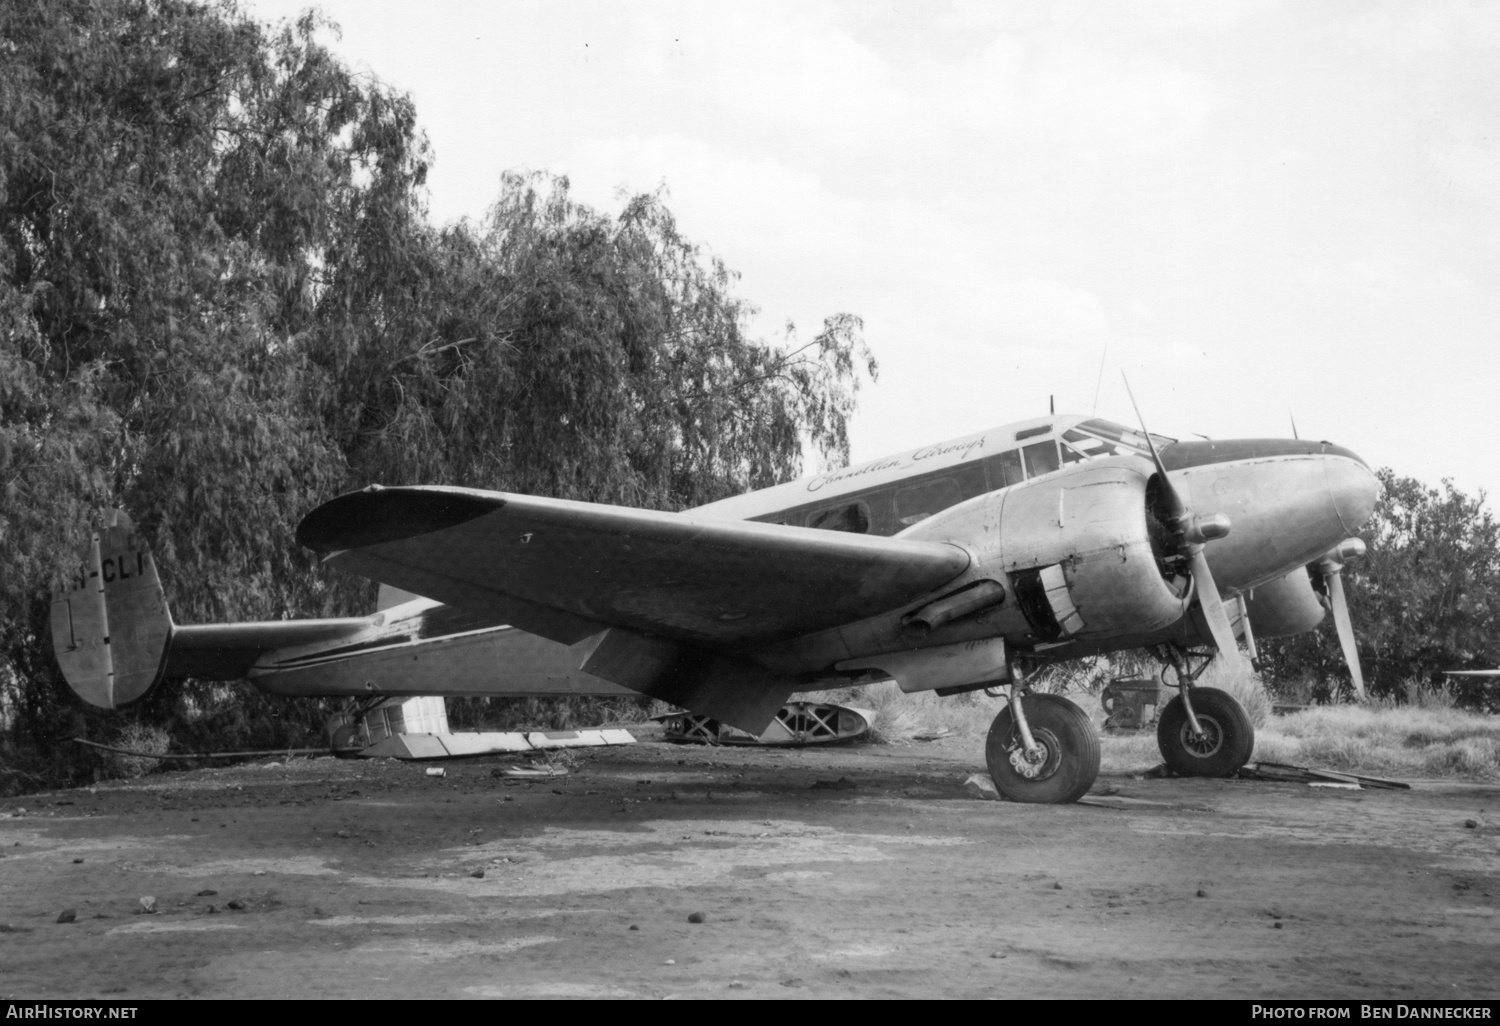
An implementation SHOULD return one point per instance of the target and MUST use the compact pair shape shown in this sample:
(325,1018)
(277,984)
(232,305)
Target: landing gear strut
(1203,732)
(1044,750)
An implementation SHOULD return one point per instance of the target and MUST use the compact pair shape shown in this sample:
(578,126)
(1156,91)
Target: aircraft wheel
(1227,741)
(345,741)
(1067,764)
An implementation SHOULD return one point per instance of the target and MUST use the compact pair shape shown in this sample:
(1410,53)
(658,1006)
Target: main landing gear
(1042,749)
(1203,732)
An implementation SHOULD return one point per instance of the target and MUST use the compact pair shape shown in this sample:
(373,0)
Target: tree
(1424,600)
(553,350)
(222,302)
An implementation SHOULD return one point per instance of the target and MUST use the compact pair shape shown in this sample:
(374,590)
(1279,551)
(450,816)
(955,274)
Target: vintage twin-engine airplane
(949,568)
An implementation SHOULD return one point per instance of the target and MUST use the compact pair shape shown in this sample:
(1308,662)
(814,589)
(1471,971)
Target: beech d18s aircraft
(950,568)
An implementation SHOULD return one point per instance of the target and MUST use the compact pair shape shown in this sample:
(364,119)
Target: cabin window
(922,500)
(853,517)
(1041,458)
(1004,469)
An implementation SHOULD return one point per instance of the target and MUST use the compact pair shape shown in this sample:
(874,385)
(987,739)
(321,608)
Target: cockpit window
(1096,438)
(1041,458)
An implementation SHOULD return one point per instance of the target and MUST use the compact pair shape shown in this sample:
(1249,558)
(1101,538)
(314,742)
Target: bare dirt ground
(863,871)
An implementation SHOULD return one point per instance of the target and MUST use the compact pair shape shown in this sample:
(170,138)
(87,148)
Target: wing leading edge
(674,602)
(567,570)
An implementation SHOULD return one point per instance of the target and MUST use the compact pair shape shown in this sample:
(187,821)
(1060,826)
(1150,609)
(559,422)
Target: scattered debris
(206,893)
(478,874)
(148,904)
(237,904)
(841,784)
(634,927)
(446,746)
(1120,801)
(670,961)
(67,915)
(935,735)
(532,772)
(1202,893)
(979,785)
(436,771)
(78,862)
(697,917)
(1471,823)
(1057,885)
(796,723)
(1303,775)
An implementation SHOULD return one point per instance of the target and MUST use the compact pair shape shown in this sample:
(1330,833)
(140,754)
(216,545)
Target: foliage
(222,302)
(1425,599)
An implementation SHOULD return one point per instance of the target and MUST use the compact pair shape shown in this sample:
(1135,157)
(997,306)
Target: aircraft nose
(1353,489)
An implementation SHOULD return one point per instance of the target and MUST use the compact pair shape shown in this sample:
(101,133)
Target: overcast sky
(1255,209)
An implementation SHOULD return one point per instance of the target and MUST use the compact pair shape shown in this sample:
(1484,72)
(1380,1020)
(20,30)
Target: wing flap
(566,570)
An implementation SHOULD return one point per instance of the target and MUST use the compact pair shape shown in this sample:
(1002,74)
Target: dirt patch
(364,879)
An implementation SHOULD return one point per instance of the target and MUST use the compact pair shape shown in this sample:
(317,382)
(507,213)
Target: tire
(1229,736)
(344,742)
(1070,761)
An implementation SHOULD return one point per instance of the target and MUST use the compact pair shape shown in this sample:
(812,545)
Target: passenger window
(853,517)
(920,501)
(1041,458)
(1004,469)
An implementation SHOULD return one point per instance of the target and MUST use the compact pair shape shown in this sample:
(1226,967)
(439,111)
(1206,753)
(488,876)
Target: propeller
(1194,532)
(1331,566)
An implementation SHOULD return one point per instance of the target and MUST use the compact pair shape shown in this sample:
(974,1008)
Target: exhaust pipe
(977,596)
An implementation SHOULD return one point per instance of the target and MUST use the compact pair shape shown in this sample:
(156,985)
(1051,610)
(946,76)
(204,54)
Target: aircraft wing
(568,570)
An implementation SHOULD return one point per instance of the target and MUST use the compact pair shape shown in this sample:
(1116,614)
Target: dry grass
(138,737)
(1382,740)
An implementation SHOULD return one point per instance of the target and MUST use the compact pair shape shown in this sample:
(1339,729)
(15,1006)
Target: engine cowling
(1075,549)
(1286,606)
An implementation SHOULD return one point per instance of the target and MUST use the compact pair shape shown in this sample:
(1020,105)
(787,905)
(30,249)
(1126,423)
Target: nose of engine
(1352,490)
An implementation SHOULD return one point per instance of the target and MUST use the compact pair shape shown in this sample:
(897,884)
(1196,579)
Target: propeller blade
(1176,507)
(1341,621)
(1212,606)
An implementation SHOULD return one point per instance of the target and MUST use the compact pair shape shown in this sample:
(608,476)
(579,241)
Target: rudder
(110,625)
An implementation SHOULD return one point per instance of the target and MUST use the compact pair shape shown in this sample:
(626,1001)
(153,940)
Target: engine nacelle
(1288,605)
(1075,549)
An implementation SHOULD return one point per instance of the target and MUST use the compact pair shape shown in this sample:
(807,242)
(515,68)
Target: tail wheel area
(1065,762)
(1224,745)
